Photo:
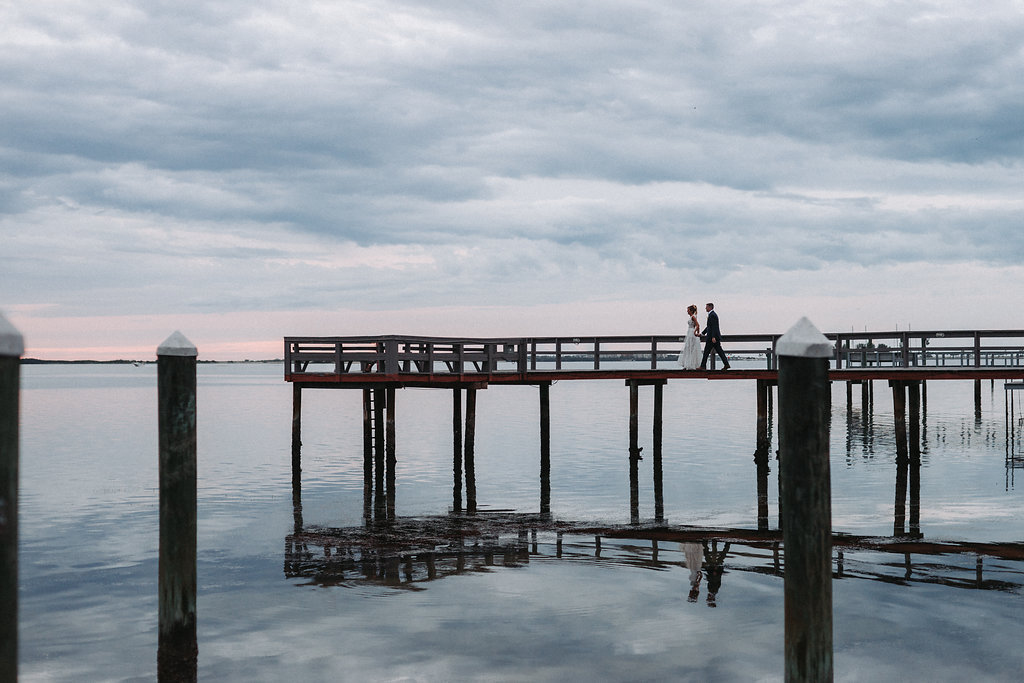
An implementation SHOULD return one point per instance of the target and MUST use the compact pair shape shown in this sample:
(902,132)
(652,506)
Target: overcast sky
(243,171)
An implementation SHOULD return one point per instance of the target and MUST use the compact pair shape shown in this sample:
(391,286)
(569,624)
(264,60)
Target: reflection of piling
(806,501)
(545,448)
(176,388)
(11,348)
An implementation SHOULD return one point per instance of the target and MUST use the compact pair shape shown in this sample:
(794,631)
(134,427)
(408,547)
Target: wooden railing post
(391,366)
(11,348)
(977,350)
(176,387)
(805,500)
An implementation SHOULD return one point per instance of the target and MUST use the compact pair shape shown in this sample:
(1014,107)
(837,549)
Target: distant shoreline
(40,361)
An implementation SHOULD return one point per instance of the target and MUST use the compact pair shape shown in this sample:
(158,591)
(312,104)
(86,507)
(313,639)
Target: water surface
(544,607)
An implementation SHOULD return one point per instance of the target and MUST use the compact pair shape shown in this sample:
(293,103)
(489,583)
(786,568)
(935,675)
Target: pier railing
(397,354)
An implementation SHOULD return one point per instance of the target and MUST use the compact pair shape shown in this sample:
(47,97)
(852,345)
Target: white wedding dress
(689,357)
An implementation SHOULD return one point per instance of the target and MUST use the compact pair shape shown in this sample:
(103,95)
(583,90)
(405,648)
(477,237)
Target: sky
(243,171)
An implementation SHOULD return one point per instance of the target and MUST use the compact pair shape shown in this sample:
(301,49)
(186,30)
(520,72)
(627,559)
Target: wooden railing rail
(395,354)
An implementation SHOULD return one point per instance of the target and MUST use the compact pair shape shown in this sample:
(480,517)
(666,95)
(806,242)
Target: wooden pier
(379,365)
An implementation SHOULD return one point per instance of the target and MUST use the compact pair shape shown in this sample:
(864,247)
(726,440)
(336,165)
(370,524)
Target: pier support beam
(470,449)
(545,448)
(367,453)
(457,449)
(977,401)
(392,461)
(659,496)
(914,437)
(761,452)
(379,503)
(806,501)
(11,348)
(634,451)
(899,409)
(296,426)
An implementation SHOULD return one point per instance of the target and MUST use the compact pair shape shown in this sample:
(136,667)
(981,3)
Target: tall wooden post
(176,387)
(457,449)
(659,494)
(545,448)
(806,501)
(12,346)
(470,449)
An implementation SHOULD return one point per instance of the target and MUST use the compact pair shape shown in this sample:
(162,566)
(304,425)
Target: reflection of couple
(690,357)
(695,556)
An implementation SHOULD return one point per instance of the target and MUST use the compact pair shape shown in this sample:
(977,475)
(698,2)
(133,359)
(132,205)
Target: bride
(689,357)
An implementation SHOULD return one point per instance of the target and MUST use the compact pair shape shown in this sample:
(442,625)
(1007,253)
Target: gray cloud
(250,157)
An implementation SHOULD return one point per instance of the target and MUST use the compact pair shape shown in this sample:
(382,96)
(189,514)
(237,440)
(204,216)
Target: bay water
(569,607)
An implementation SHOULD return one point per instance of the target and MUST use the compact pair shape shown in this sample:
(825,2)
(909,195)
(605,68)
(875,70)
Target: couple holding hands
(690,357)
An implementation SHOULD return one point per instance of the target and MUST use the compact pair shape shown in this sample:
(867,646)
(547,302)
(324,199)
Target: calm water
(547,607)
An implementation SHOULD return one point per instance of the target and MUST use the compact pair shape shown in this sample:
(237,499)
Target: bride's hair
(691,309)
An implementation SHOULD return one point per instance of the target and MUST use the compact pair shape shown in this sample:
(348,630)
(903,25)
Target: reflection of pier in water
(410,553)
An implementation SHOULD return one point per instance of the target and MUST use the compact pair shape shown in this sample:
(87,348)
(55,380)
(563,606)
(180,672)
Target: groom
(712,339)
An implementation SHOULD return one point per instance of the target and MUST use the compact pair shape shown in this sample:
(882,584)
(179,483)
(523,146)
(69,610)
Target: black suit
(713,340)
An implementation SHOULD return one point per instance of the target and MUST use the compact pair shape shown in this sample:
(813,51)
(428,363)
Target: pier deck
(359,362)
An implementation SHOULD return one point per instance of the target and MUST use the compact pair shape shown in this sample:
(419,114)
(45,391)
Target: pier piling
(806,501)
(470,449)
(11,348)
(545,448)
(457,449)
(176,387)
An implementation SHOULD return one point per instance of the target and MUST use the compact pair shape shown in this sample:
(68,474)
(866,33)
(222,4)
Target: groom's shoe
(726,366)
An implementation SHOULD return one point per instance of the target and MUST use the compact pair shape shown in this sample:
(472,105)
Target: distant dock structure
(380,365)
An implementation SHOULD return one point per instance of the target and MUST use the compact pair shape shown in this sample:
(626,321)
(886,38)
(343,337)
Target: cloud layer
(202,159)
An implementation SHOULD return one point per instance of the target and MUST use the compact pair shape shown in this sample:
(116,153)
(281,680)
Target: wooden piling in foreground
(11,348)
(176,387)
(806,501)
